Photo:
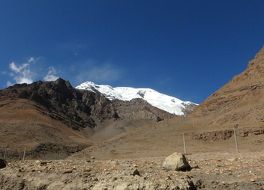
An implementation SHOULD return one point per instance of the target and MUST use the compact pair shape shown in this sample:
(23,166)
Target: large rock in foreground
(176,162)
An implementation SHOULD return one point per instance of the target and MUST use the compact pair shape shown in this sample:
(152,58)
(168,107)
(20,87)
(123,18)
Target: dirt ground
(211,171)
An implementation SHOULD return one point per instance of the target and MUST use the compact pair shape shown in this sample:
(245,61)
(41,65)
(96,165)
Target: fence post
(184,144)
(5,153)
(235,136)
(24,154)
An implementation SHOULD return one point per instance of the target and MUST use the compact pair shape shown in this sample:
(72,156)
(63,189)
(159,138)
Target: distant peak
(162,101)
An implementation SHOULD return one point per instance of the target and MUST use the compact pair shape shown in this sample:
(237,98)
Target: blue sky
(187,49)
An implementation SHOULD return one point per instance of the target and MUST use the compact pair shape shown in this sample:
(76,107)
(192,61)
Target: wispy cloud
(26,73)
(51,75)
(35,69)
(21,73)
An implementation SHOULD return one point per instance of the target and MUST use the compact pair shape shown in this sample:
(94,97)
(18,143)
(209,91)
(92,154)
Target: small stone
(88,170)
(67,172)
(43,163)
(136,172)
(37,161)
(196,167)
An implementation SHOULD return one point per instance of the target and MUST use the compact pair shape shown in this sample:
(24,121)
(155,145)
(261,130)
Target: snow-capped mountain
(162,101)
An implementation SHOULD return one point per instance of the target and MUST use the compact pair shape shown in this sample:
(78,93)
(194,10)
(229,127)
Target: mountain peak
(164,102)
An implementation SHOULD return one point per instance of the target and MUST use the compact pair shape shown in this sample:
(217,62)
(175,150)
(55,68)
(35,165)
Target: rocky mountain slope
(80,108)
(54,114)
(162,101)
(240,102)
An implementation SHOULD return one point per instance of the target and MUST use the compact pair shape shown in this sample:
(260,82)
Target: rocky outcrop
(139,109)
(222,135)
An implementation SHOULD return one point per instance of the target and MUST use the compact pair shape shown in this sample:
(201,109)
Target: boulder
(2,163)
(176,162)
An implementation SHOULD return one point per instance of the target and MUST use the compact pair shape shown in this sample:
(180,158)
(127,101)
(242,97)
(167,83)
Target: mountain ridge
(162,101)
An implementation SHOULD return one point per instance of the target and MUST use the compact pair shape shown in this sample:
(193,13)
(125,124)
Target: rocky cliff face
(81,108)
(139,109)
(240,102)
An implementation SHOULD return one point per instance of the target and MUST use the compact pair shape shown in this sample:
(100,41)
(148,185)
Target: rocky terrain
(210,171)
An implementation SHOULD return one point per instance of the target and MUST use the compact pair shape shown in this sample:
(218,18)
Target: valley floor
(211,171)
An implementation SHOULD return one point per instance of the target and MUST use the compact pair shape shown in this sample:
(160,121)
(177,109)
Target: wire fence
(26,153)
(236,140)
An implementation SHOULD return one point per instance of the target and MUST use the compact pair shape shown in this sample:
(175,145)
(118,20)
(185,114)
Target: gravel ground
(211,171)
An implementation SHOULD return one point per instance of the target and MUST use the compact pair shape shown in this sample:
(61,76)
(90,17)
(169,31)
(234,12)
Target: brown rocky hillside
(240,102)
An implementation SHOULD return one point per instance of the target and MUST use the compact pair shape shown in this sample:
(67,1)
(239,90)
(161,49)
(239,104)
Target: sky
(184,48)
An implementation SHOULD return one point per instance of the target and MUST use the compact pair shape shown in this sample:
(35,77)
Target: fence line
(184,143)
(228,140)
(235,137)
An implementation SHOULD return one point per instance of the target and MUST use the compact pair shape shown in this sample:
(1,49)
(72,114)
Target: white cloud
(21,73)
(51,75)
